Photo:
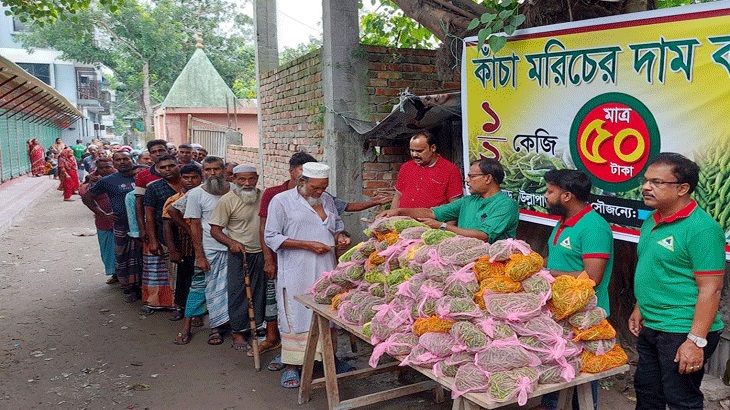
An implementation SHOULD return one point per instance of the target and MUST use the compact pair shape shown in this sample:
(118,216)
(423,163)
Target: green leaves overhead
(504,20)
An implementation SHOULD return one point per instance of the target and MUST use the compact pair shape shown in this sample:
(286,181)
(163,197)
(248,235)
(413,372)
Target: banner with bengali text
(605,96)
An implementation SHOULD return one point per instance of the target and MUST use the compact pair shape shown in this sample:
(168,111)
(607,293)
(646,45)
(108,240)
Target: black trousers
(185,271)
(237,300)
(657,380)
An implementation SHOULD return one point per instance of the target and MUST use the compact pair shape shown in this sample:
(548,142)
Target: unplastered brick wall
(291,102)
(243,155)
(391,72)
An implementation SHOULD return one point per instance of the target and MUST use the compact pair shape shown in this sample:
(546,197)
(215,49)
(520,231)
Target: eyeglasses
(471,176)
(657,183)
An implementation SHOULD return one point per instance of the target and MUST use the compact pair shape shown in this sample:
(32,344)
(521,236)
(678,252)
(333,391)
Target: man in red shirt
(428,180)
(156,148)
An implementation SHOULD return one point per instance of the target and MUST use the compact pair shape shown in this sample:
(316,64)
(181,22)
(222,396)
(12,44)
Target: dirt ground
(70,341)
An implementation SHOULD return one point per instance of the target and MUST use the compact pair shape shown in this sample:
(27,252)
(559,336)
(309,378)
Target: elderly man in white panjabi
(303,228)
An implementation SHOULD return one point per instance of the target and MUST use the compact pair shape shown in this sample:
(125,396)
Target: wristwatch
(700,342)
(443,226)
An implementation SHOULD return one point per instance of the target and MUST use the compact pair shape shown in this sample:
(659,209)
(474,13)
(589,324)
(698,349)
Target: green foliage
(388,26)
(292,53)
(42,12)
(160,32)
(505,19)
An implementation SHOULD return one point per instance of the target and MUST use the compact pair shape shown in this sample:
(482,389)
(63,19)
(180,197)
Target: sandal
(196,321)
(264,347)
(215,338)
(275,365)
(112,280)
(290,379)
(183,338)
(178,315)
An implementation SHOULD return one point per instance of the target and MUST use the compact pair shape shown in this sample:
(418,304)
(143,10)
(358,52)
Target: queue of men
(186,234)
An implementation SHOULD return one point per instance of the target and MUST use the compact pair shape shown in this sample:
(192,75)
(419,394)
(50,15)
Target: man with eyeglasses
(581,241)
(677,284)
(487,214)
(427,180)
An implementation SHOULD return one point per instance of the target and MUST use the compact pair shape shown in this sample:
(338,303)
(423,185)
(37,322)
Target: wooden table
(322,317)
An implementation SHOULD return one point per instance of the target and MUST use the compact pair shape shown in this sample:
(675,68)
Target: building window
(87,85)
(39,71)
(18,25)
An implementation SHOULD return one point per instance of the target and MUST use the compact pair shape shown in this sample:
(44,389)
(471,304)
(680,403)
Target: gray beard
(310,200)
(247,196)
(216,186)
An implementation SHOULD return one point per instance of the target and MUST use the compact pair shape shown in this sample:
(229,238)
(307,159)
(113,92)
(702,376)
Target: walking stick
(251,317)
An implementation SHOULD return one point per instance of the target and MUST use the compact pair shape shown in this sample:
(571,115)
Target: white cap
(196,145)
(244,168)
(315,170)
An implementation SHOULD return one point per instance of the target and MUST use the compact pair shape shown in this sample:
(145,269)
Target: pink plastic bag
(501,250)
(458,309)
(388,320)
(421,357)
(397,345)
(513,307)
(506,385)
(505,354)
(469,379)
(435,268)
(599,347)
(539,284)
(440,344)
(587,318)
(461,250)
(462,283)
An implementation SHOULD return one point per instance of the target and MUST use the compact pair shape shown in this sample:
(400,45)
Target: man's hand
(690,357)
(155,248)
(110,217)
(636,322)
(202,264)
(387,214)
(381,199)
(270,268)
(237,247)
(175,256)
(342,240)
(318,247)
(432,223)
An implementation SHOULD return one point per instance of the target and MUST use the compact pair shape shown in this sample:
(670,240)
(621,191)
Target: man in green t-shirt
(581,241)
(79,150)
(487,214)
(678,280)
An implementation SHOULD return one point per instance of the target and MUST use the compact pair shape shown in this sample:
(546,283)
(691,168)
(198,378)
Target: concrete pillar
(267,59)
(344,79)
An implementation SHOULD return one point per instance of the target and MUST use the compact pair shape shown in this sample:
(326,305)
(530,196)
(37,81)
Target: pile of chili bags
(488,316)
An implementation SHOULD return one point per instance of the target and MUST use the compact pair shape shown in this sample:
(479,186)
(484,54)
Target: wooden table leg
(328,360)
(438,393)
(565,399)
(460,403)
(585,396)
(305,386)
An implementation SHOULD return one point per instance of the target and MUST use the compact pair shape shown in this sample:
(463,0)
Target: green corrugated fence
(14,135)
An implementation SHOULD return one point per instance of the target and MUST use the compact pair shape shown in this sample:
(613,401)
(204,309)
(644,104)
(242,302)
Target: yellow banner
(605,96)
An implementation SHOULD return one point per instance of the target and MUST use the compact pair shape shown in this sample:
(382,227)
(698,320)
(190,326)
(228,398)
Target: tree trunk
(146,100)
(439,16)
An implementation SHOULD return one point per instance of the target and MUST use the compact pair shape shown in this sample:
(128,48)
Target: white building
(82,84)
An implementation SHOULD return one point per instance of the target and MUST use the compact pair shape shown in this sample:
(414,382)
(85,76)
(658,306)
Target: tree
(292,53)
(148,44)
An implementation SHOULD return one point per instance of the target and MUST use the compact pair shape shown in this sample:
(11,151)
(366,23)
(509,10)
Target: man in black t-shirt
(127,250)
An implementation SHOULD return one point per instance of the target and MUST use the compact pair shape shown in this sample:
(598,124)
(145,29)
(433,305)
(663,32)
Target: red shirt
(144,178)
(427,187)
(268,195)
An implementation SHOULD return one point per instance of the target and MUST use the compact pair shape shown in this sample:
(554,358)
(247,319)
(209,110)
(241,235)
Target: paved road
(70,341)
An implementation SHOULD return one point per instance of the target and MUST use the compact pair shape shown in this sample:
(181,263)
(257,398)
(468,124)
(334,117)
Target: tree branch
(131,48)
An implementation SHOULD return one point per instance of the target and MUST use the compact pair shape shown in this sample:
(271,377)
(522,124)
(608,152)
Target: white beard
(248,196)
(312,201)
(216,186)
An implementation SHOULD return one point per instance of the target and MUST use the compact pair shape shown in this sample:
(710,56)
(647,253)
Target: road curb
(18,195)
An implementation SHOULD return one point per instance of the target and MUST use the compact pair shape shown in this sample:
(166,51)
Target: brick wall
(243,155)
(292,104)
(390,72)
(291,99)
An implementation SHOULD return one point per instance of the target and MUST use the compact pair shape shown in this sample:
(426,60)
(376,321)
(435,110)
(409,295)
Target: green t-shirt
(585,235)
(671,252)
(78,151)
(497,216)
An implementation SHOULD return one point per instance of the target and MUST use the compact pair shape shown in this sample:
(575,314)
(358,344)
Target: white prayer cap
(315,170)
(196,146)
(244,168)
